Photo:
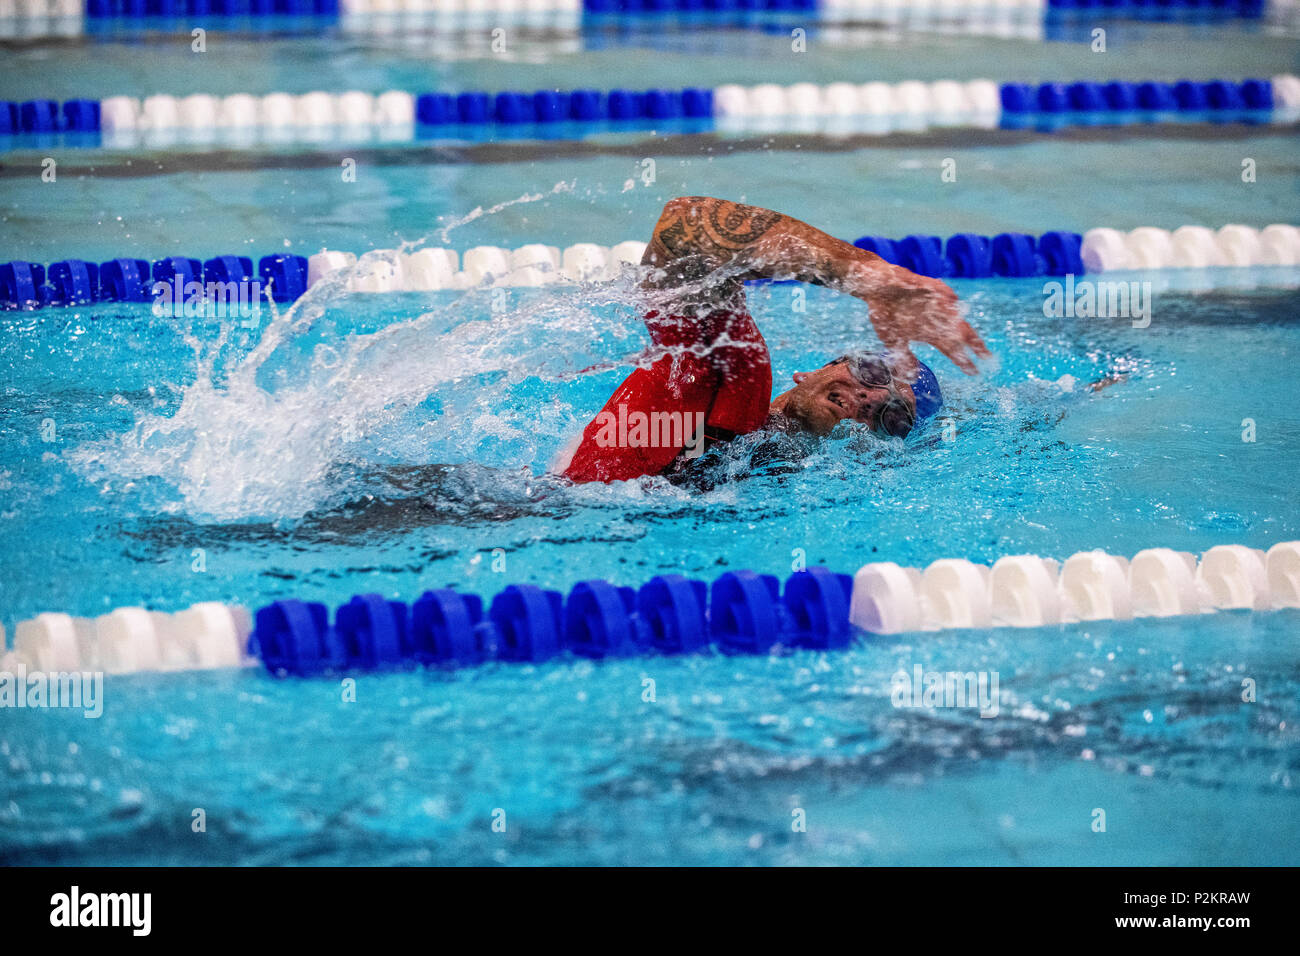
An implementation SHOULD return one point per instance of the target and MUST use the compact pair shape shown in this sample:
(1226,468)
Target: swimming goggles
(895,418)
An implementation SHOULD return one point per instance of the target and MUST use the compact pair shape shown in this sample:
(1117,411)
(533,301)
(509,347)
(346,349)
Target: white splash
(479,212)
(257,437)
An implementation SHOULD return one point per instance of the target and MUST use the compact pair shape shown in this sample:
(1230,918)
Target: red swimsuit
(718,367)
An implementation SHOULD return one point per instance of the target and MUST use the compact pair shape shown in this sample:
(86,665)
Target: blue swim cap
(926,388)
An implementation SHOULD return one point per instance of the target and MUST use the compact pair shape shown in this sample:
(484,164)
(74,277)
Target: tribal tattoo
(697,237)
(711,228)
(736,225)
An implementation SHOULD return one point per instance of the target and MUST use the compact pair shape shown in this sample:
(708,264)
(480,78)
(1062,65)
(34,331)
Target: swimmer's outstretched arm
(713,243)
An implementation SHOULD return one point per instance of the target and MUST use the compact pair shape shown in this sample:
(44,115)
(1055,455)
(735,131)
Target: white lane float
(1033,591)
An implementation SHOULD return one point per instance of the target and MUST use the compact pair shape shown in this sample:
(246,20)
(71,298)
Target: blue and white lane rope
(835,19)
(180,279)
(739,613)
(149,12)
(395,116)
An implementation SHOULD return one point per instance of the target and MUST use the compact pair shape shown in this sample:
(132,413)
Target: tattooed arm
(706,248)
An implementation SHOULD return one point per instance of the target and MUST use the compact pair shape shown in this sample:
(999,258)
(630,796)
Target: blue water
(1143,721)
(661,52)
(295,458)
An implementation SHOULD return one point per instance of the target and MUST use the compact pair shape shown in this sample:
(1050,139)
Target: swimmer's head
(860,387)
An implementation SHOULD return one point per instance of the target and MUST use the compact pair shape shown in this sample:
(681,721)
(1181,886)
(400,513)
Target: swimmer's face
(822,399)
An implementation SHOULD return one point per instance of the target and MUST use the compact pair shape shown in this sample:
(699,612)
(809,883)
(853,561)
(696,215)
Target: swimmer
(712,378)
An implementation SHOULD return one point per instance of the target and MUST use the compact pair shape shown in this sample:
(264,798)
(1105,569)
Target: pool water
(1143,721)
(393,443)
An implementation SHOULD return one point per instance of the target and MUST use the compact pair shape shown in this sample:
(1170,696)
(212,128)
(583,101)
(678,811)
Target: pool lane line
(124,17)
(281,119)
(222,286)
(739,613)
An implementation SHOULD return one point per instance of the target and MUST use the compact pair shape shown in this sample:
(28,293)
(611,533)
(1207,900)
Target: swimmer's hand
(906,307)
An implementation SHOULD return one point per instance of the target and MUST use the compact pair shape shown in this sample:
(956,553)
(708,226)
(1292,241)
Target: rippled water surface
(394,443)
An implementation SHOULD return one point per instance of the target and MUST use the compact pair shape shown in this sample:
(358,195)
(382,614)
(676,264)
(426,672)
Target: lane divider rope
(395,116)
(741,612)
(29,285)
(74,282)
(875,10)
(1053,20)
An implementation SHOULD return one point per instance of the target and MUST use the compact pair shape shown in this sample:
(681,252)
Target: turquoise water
(1143,721)
(296,458)
(653,55)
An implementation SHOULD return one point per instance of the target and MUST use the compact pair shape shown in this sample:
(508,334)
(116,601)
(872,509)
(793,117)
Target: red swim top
(718,368)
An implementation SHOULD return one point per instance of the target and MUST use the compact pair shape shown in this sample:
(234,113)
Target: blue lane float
(285,274)
(1250,100)
(674,614)
(1181,96)
(515,108)
(742,613)
(72,282)
(124,280)
(142,11)
(68,282)
(525,624)
(971,256)
(177,268)
(22,285)
(447,628)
